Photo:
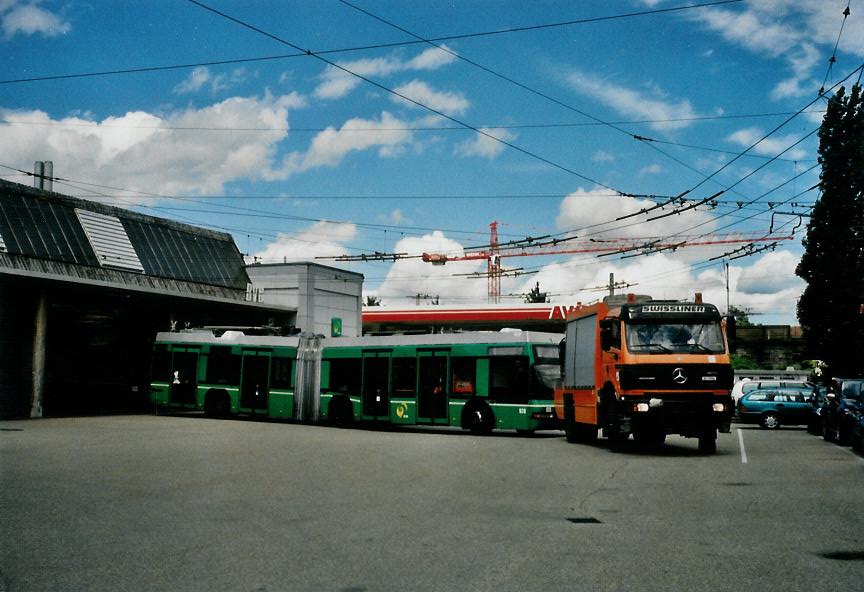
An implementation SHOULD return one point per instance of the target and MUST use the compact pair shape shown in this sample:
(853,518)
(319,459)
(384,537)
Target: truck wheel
(571,431)
(769,421)
(708,442)
(580,433)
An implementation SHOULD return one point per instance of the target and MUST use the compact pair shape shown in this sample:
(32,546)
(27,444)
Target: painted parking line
(741,446)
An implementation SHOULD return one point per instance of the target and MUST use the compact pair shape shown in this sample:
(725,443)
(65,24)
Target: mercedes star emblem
(679,376)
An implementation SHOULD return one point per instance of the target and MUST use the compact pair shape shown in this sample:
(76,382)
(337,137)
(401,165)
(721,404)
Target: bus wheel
(708,442)
(217,404)
(341,413)
(478,417)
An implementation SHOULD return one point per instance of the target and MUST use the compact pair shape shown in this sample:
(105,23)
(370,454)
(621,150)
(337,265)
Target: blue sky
(534,129)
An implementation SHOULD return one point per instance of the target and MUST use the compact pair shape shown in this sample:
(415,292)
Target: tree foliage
(829,310)
(535,295)
(742,316)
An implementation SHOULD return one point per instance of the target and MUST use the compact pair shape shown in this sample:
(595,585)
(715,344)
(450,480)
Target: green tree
(829,310)
(742,316)
(535,295)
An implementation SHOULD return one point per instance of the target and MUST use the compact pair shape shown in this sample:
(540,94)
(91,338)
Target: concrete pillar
(40,334)
(306,299)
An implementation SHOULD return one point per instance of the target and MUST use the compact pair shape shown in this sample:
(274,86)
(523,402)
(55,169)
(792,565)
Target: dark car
(841,405)
(858,431)
(775,406)
(814,424)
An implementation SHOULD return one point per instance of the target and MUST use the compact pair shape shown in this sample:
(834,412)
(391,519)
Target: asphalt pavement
(188,503)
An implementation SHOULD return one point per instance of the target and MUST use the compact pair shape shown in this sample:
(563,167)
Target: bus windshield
(662,338)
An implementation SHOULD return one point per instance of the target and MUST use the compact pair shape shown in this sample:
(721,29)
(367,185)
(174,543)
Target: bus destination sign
(673,308)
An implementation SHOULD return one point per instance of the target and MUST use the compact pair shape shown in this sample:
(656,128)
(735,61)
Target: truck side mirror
(562,350)
(730,333)
(606,338)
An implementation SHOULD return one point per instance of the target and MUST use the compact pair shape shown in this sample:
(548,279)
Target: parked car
(747,385)
(858,432)
(772,407)
(840,408)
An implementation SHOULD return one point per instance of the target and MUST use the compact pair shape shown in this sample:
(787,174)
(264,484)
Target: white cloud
(651,169)
(408,277)
(771,146)
(669,276)
(797,31)
(137,150)
(397,217)
(217,83)
(484,146)
(28,19)
(330,146)
(336,82)
(431,59)
(603,156)
(323,239)
(598,209)
(448,103)
(193,83)
(653,104)
(770,274)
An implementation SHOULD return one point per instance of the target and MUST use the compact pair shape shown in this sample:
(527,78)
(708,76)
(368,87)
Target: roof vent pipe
(48,178)
(38,174)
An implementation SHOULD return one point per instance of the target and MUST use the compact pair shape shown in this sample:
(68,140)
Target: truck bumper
(681,414)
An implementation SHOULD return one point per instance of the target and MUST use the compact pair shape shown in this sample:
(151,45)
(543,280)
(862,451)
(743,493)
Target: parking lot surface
(187,503)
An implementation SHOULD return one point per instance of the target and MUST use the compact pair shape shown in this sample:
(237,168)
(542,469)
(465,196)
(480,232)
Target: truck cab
(634,365)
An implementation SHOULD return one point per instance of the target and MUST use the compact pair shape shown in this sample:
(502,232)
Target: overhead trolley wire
(517,83)
(144,69)
(407,98)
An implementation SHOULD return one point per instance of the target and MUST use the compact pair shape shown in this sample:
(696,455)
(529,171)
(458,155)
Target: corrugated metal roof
(44,225)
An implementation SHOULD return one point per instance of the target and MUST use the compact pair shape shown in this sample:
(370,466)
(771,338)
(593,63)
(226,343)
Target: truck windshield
(661,338)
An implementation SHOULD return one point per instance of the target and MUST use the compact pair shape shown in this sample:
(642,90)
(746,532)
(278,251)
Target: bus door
(255,382)
(375,393)
(184,377)
(432,386)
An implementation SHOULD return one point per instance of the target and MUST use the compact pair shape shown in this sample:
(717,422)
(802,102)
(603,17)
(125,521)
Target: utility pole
(727,287)
(611,284)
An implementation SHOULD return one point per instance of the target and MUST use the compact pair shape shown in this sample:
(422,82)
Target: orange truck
(634,365)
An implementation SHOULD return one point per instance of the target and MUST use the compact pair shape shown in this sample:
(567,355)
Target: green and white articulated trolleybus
(475,380)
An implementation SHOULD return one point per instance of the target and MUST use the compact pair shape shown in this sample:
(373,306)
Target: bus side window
(222,366)
(185,367)
(508,379)
(345,375)
(464,371)
(404,376)
(280,373)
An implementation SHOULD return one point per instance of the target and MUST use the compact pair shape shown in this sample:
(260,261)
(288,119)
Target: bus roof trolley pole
(307,395)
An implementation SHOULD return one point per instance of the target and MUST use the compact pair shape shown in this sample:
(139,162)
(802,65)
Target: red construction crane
(545,246)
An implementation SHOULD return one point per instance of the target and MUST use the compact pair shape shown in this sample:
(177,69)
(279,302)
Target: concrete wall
(319,293)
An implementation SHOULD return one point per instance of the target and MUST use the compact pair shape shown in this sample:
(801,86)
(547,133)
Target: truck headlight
(718,407)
